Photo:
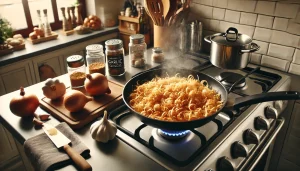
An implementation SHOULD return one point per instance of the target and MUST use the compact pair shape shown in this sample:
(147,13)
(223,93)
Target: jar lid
(94,47)
(75,61)
(157,50)
(113,44)
(137,39)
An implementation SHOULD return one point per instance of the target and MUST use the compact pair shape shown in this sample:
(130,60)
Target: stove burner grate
(229,78)
(173,135)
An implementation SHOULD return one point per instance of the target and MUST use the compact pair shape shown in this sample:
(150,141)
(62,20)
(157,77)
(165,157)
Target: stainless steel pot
(230,50)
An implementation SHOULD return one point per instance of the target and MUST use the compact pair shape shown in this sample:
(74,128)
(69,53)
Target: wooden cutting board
(91,111)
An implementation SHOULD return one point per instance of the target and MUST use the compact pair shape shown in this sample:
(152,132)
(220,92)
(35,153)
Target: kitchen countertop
(115,155)
(61,42)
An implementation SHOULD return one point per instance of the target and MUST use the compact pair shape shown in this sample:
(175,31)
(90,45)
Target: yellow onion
(96,84)
(75,100)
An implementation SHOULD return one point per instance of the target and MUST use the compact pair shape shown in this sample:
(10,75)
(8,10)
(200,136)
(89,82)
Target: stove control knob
(271,112)
(250,137)
(261,123)
(238,149)
(224,163)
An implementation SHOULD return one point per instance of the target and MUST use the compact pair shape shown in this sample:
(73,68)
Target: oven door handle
(267,144)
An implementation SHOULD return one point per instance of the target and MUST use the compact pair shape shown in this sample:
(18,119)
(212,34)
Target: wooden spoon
(172,10)
(166,5)
(156,9)
(147,11)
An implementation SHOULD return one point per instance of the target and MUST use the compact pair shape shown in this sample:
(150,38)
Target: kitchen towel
(44,155)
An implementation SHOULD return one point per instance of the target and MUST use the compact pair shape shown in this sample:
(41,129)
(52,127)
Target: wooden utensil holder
(163,37)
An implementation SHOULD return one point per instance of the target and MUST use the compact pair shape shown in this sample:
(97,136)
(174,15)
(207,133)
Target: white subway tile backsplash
(232,16)
(225,25)
(248,30)
(238,5)
(275,63)
(233,4)
(255,58)
(262,34)
(293,28)
(218,13)
(203,11)
(214,25)
(264,21)
(263,47)
(220,3)
(248,18)
(265,7)
(294,69)
(286,10)
(204,2)
(282,52)
(284,38)
(296,58)
(280,24)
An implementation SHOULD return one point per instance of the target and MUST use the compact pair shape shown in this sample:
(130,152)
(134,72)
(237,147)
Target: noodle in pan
(176,99)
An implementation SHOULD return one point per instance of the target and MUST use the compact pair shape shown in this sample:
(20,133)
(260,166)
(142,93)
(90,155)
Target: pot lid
(231,38)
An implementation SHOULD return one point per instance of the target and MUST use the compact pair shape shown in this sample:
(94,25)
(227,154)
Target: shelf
(130,19)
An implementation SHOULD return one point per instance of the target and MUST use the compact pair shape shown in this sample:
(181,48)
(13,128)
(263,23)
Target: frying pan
(213,84)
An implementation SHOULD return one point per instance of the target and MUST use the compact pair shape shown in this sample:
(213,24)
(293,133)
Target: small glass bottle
(76,70)
(157,55)
(137,51)
(95,59)
(115,57)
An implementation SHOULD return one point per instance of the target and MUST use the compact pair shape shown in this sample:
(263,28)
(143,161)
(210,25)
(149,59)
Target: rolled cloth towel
(44,155)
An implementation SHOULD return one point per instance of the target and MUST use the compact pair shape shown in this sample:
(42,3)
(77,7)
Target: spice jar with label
(157,55)
(76,70)
(137,51)
(95,59)
(115,57)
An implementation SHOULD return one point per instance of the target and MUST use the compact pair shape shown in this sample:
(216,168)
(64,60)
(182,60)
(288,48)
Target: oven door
(258,159)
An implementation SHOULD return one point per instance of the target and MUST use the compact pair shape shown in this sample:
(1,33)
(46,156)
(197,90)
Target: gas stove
(228,142)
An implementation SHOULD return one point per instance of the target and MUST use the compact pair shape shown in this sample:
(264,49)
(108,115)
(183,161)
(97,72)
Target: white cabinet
(47,66)
(15,75)
(8,150)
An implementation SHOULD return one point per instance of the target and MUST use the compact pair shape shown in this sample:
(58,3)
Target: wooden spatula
(156,10)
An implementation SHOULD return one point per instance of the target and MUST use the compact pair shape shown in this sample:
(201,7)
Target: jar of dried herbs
(76,70)
(115,57)
(95,59)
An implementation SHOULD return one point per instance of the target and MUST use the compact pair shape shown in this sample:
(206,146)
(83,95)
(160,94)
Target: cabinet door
(47,66)
(7,146)
(16,75)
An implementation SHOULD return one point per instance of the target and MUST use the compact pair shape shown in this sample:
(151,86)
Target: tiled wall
(273,24)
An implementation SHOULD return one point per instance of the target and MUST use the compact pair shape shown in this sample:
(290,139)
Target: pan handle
(264,97)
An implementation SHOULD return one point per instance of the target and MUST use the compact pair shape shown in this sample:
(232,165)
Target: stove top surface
(187,149)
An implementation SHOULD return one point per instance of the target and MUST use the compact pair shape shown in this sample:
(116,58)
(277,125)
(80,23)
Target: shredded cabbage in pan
(175,99)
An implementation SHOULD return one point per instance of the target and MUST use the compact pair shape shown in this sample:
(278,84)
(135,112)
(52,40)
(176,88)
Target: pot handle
(263,97)
(254,47)
(207,39)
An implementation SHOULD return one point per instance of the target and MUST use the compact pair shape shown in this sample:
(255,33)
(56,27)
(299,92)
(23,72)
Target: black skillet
(213,84)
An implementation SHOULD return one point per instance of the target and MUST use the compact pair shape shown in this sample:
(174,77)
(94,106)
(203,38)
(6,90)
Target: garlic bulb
(54,89)
(103,130)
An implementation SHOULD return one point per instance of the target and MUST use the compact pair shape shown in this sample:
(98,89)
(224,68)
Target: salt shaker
(157,55)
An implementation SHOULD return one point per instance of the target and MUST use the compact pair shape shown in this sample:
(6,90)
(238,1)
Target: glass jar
(95,59)
(157,55)
(76,70)
(115,57)
(137,51)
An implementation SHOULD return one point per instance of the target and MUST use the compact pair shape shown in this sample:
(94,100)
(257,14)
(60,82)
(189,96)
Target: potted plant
(6,31)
